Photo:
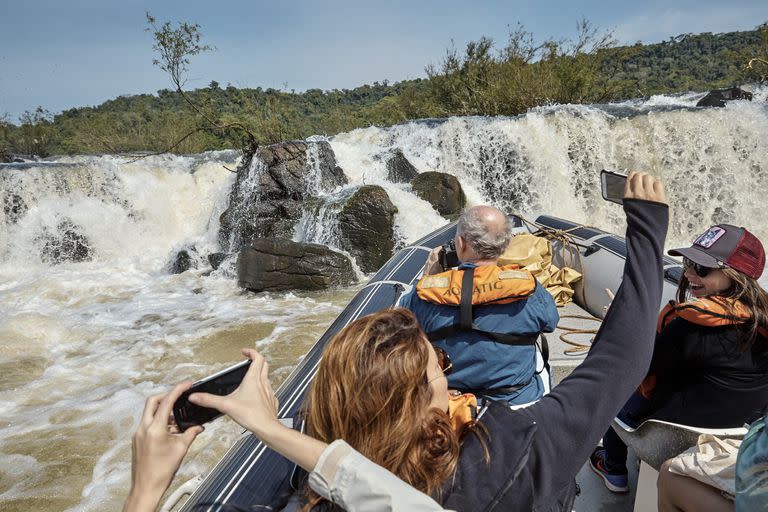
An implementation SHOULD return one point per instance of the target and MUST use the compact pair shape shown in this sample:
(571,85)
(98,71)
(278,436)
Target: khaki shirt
(346,478)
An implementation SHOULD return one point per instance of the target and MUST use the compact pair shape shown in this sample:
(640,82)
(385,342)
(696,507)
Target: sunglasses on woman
(443,360)
(700,270)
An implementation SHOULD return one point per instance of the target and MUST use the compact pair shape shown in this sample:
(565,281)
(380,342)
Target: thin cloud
(660,26)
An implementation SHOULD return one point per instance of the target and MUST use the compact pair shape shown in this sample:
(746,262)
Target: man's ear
(461,245)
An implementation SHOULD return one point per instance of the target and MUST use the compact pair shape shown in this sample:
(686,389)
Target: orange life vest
(709,312)
(491,284)
(462,409)
(483,285)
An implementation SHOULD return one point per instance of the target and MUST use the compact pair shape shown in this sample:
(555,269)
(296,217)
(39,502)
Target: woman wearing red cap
(710,361)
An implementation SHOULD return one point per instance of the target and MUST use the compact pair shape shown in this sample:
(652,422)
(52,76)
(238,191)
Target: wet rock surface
(266,198)
(718,97)
(267,218)
(14,208)
(215,259)
(399,169)
(67,243)
(184,260)
(366,226)
(443,191)
(271,264)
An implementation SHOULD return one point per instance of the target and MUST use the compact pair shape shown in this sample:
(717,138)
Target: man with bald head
(487,318)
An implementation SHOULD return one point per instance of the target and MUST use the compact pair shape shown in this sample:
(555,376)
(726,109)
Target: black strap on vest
(544,349)
(491,392)
(466,321)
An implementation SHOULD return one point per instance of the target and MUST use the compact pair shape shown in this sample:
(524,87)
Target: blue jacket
(482,363)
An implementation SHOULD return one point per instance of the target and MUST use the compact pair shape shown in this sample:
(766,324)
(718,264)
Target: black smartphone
(226,381)
(447,256)
(612,184)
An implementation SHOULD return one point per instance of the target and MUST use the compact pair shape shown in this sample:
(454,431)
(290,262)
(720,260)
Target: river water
(83,344)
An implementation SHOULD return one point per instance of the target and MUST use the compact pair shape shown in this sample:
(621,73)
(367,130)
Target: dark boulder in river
(718,97)
(185,259)
(443,191)
(260,218)
(399,169)
(271,264)
(215,259)
(66,244)
(366,225)
(14,207)
(266,198)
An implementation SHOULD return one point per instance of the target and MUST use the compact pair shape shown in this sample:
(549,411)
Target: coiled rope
(578,347)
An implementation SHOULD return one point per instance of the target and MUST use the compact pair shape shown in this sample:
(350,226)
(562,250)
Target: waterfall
(244,190)
(127,212)
(546,161)
(713,161)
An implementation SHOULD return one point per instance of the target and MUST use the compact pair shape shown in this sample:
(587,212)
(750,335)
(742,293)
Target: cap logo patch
(709,238)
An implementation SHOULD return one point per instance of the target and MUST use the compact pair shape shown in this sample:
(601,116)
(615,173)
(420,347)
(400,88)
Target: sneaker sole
(608,484)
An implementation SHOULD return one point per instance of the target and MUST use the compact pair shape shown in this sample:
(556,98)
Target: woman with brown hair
(370,391)
(381,387)
(710,362)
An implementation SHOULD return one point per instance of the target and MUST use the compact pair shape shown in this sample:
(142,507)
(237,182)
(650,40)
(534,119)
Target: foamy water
(83,344)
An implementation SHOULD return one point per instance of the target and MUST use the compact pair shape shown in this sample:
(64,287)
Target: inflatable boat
(250,474)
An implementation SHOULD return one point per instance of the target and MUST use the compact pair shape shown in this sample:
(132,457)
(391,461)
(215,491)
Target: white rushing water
(83,344)
(713,161)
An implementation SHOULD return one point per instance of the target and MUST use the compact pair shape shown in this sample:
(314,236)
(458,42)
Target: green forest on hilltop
(482,79)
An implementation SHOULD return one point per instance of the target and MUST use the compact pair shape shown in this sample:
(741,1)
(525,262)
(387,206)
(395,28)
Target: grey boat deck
(594,496)
(562,363)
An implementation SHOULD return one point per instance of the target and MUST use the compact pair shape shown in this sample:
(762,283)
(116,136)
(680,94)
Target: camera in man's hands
(447,256)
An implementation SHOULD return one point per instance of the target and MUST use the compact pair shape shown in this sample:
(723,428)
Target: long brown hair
(371,389)
(747,291)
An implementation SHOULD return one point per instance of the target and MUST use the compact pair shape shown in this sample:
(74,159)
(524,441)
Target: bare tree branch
(175,46)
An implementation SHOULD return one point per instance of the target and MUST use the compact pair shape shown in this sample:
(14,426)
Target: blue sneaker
(613,480)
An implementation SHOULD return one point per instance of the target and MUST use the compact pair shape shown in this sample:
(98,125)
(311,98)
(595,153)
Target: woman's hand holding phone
(158,449)
(641,185)
(253,404)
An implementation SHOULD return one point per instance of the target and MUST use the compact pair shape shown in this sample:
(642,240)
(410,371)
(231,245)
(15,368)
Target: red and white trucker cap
(725,245)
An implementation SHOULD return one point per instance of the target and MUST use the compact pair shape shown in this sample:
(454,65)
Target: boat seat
(655,441)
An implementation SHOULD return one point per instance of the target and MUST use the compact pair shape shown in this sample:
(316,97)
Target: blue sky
(62,54)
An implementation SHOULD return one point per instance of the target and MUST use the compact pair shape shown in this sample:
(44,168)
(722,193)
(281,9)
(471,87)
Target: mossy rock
(443,191)
(366,225)
(399,169)
(272,264)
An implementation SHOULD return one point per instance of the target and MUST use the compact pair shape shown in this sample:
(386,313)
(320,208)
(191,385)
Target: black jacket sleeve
(574,416)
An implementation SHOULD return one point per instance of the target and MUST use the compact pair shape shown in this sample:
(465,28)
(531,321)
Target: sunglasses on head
(443,360)
(700,270)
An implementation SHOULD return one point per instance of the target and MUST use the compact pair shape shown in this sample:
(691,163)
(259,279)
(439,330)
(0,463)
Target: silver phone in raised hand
(612,185)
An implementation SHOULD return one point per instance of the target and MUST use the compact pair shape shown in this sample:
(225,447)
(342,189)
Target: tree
(174,47)
(5,137)
(757,67)
(35,131)
(525,73)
